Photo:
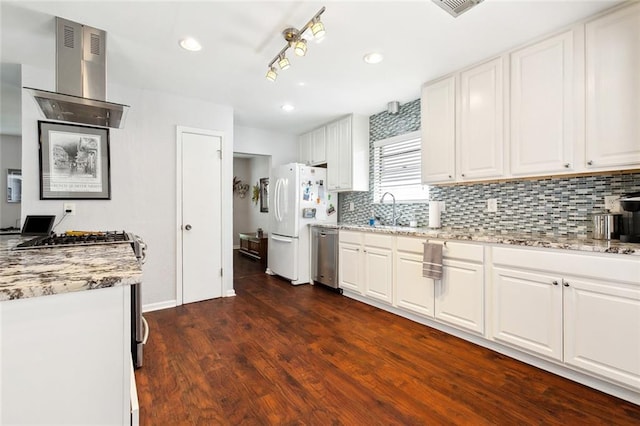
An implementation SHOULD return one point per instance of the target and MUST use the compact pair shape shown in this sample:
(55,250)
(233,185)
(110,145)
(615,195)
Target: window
(396,168)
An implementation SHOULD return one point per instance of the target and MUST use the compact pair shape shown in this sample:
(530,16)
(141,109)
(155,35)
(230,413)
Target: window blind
(397,168)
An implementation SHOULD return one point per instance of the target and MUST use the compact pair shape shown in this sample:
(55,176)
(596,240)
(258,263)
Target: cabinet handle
(462,175)
(590,162)
(567,165)
(449,176)
(554,282)
(565,283)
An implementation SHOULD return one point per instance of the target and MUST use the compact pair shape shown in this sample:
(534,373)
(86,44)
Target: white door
(460,295)
(333,156)
(413,291)
(201,214)
(378,273)
(349,266)
(283,256)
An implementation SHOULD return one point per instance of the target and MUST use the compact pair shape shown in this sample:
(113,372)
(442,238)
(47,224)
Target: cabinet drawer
(463,251)
(411,245)
(350,237)
(607,267)
(378,240)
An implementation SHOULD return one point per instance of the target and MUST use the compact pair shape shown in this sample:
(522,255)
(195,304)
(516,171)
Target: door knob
(187,227)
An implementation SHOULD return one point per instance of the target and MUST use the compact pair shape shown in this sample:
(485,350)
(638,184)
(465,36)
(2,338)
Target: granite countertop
(542,241)
(46,271)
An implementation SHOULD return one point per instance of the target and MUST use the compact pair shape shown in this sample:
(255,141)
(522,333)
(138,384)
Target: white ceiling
(418,39)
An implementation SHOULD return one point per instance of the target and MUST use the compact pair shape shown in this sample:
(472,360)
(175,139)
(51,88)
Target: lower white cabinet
(527,311)
(588,323)
(413,292)
(460,295)
(602,328)
(349,261)
(378,270)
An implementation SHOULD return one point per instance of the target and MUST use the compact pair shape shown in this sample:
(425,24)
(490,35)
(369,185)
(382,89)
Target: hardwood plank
(282,354)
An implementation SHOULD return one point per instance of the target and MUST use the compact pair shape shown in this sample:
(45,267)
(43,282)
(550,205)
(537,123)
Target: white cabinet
(66,358)
(544,80)
(312,147)
(602,328)
(349,275)
(527,310)
(438,119)
(366,264)
(348,154)
(481,130)
(613,90)
(413,292)
(304,148)
(460,294)
(543,303)
(378,266)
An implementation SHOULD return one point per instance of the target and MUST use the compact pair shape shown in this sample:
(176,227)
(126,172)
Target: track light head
(301,47)
(272,74)
(317,28)
(283,62)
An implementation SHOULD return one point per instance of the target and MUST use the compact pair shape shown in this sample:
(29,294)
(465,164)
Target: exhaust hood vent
(81,75)
(457,7)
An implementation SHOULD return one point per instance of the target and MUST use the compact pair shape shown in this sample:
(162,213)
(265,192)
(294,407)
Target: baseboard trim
(159,306)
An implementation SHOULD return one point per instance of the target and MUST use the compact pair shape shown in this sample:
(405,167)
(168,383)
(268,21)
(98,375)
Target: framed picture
(14,185)
(264,195)
(74,162)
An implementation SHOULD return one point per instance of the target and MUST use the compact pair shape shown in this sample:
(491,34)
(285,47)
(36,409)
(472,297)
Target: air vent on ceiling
(457,7)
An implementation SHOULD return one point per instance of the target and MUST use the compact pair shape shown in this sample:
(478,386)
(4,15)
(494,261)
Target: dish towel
(432,261)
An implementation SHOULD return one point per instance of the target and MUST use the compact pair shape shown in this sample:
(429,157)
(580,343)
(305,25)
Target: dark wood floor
(284,355)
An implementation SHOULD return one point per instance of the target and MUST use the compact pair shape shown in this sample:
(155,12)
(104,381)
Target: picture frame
(264,195)
(74,162)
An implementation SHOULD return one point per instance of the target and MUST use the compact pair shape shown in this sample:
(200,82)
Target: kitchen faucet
(394,218)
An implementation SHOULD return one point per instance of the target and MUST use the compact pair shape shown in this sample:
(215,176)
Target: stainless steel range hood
(81,75)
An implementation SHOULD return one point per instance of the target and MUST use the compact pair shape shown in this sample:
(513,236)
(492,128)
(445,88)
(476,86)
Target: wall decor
(14,185)
(74,162)
(264,195)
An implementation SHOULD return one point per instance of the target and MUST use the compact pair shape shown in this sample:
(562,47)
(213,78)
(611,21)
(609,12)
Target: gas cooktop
(77,238)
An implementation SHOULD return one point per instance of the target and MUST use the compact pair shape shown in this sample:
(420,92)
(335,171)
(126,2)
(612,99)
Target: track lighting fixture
(294,39)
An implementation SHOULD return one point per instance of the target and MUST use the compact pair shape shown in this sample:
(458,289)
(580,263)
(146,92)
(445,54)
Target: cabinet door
(345,154)
(413,291)
(438,117)
(333,156)
(304,148)
(378,273)
(318,146)
(482,125)
(542,107)
(348,267)
(601,329)
(613,89)
(460,295)
(527,311)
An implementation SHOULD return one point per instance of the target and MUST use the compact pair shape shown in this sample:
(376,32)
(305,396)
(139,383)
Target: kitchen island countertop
(46,271)
(527,240)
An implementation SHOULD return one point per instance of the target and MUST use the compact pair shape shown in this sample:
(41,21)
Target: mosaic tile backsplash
(550,206)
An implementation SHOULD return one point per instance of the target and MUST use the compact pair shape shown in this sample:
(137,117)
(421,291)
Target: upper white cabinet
(481,141)
(438,120)
(613,90)
(348,154)
(544,79)
(312,147)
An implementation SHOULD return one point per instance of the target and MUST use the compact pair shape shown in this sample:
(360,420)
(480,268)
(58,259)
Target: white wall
(282,147)
(10,155)
(143,177)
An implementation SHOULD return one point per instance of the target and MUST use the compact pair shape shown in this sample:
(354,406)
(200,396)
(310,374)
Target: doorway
(199,215)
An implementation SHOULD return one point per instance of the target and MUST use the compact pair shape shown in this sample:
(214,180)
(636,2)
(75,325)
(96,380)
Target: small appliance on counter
(631,203)
(607,226)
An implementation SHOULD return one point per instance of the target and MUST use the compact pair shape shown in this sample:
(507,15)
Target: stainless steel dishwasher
(324,256)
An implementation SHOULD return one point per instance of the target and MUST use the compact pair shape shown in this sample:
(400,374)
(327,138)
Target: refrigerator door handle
(276,198)
(283,239)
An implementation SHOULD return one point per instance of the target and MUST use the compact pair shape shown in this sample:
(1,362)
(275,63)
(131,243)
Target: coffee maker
(631,203)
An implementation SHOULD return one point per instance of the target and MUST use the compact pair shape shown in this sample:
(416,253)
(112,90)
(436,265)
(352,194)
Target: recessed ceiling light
(373,58)
(190,44)
(302,84)
(287,107)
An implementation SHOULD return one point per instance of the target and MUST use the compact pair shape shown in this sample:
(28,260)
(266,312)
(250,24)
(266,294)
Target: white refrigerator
(298,198)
